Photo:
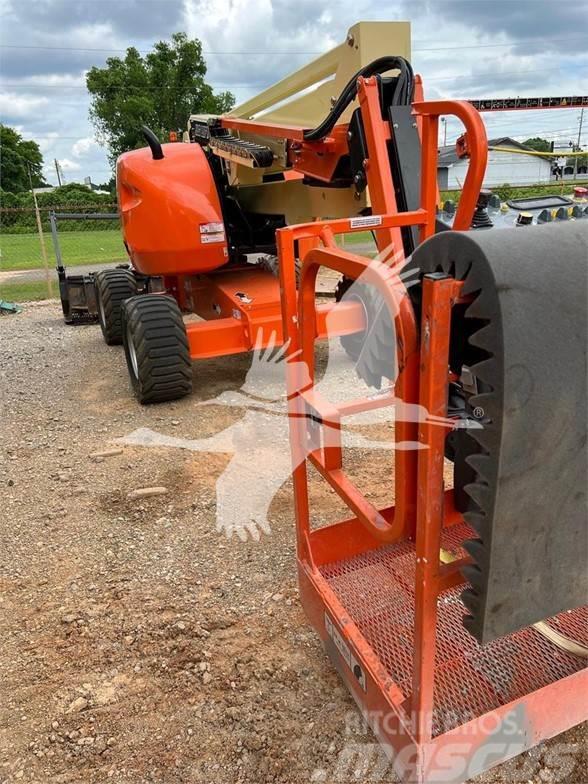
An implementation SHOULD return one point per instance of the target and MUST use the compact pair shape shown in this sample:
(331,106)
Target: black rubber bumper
(527,331)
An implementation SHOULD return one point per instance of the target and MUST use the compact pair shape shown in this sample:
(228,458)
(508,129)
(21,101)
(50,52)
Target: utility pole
(57,172)
(41,237)
(581,118)
(444,121)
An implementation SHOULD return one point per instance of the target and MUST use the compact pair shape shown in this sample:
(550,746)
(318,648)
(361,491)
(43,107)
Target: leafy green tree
(582,160)
(72,197)
(109,186)
(8,199)
(73,193)
(160,90)
(17,157)
(538,144)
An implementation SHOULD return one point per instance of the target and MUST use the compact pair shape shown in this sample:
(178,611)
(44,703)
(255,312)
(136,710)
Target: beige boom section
(303,99)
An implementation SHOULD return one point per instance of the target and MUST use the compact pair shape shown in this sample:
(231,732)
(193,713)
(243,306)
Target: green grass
(520,192)
(356,238)
(23,251)
(27,292)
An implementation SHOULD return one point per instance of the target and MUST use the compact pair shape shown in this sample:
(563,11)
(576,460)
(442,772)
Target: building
(87,183)
(94,188)
(504,168)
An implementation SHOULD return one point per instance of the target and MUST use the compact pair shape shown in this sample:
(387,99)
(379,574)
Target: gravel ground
(136,643)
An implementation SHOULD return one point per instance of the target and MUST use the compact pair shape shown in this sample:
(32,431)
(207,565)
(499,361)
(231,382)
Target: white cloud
(459,51)
(259,43)
(54,80)
(47,142)
(83,146)
(21,105)
(69,165)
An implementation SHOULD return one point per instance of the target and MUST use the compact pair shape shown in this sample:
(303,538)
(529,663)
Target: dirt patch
(136,643)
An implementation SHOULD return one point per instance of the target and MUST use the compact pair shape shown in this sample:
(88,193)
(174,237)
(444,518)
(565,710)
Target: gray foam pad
(528,502)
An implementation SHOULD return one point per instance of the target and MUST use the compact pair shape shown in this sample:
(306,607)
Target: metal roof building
(503,168)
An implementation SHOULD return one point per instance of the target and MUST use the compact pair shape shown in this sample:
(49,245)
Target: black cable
(403,92)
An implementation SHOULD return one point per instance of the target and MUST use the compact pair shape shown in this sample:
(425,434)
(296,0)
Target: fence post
(43,248)
(56,247)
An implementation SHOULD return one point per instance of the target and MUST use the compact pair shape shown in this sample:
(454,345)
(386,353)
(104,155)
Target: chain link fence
(86,242)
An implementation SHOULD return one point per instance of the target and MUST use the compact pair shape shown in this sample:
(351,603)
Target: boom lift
(193,214)
(432,610)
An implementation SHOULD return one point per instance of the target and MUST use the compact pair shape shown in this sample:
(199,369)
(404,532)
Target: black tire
(272,264)
(371,301)
(113,287)
(156,348)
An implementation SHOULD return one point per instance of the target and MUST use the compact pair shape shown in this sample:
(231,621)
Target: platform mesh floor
(377,590)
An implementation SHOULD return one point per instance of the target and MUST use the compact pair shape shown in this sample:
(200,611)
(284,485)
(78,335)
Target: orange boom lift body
(451,678)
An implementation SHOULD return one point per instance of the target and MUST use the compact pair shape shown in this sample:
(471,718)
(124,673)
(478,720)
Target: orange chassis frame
(374,587)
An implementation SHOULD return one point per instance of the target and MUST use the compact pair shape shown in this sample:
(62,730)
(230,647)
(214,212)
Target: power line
(528,130)
(492,46)
(474,75)
(33,85)
(490,128)
(141,51)
(263,85)
(289,53)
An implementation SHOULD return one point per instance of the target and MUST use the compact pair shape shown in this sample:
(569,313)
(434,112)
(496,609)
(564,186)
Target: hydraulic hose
(403,92)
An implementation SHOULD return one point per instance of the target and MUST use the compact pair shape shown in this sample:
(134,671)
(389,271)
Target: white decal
(365,221)
(212,228)
(207,238)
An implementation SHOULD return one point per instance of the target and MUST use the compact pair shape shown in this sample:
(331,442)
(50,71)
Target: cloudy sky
(462,48)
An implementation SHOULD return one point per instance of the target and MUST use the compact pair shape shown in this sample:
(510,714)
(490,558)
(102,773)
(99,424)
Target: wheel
(348,290)
(272,264)
(156,348)
(112,288)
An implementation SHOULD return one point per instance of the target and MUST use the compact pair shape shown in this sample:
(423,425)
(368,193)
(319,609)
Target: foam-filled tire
(113,287)
(156,348)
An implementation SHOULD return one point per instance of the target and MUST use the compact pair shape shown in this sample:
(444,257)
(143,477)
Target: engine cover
(170,210)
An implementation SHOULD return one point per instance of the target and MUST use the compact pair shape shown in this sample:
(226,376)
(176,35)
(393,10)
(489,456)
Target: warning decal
(365,221)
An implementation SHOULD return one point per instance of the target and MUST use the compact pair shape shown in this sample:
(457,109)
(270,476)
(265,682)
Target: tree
(109,186)
(538,144)
(17,158)
(160,90)
(582,160)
